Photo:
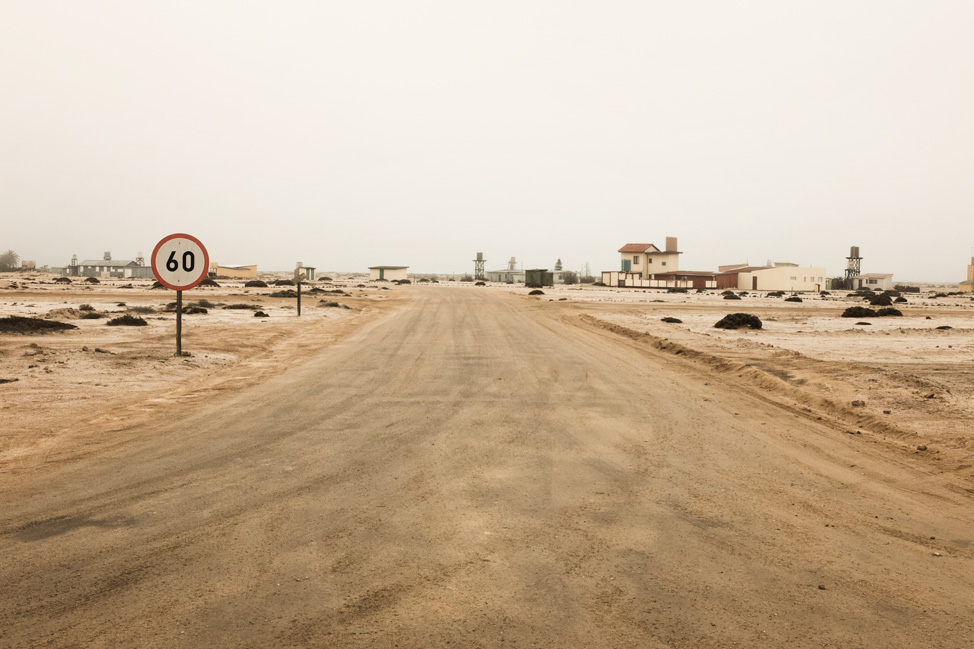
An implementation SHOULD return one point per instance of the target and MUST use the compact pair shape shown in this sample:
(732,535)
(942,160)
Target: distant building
(645,259)
(389,273)
(779,277)
(880,281)
(644,265)
(968,286)
(107,267)
(234,271)
(510,275)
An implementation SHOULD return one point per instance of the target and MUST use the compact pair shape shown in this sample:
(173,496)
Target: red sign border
(206,261)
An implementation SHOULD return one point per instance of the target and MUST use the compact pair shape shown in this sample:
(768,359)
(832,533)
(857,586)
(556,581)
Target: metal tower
(853,267)
(478,266)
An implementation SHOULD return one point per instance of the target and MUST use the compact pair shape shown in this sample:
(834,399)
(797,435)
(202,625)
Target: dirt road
(480,469)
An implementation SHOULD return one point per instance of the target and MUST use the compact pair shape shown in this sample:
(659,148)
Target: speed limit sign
(180,262)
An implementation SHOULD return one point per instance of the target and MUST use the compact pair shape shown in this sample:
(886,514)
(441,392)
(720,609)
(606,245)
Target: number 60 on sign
(180,262)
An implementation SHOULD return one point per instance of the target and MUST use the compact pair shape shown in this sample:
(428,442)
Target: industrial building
(106,267)
(510,275)
(390,273)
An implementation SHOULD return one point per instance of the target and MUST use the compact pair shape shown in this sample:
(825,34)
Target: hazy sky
(350,134)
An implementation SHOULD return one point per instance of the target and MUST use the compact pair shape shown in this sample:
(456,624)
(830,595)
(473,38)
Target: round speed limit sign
(180,262)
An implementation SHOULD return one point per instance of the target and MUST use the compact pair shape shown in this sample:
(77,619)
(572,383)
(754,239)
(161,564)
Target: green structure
(539,277)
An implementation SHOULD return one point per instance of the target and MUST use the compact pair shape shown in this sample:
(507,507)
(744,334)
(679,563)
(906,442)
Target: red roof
(639,247)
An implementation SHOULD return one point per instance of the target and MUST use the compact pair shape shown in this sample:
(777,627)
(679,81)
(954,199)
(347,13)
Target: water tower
(853,268)
(478,266)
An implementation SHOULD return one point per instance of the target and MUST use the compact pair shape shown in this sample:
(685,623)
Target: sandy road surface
(478,469)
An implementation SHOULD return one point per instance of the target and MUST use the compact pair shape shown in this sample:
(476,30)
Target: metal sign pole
(299,299)
(179,323)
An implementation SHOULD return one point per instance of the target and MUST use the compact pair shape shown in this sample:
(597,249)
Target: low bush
(93,280)
(793,298)
(91,315)
(62,280)
(194,310)
(20,325)
(261,314)
(676,290)
(671,320)
(286,293)
(256,283)
(881,300)
(858,312)
(536,291)
(284,282)
(480,284)
(127,321)
(888,311)
(731,296)
(251,307)
(86,307)
(209,282)
(739,321)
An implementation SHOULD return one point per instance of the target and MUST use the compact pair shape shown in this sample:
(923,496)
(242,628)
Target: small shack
(539,277)
(388,273)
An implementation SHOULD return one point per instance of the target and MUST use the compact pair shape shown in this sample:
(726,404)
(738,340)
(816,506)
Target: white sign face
(180,262)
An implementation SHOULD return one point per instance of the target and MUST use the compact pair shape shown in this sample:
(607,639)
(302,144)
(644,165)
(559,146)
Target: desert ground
(444,464)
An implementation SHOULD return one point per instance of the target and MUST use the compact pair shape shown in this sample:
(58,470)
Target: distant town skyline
(352,135)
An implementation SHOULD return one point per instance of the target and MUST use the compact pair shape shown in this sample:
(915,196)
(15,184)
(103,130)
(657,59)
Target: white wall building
(389,273)
(876,281)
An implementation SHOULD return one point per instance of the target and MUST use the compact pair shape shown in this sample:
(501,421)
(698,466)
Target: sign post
(180,262)
(299,276)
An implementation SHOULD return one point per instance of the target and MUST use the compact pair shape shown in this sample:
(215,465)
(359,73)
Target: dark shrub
(91,315)
(127,321)
(285,293)
(209,282)
(793,298)
(536,291)
(260,314)
(63,280)
(284,282)
(86,307)
(93,280)
(19,325)
(881,300)
(945,327)
(888,311)
(205,303)
(676,290)
(251,307)
(194,310)
(672,320)
(480,284)
(731,296)
(256,283)
(858,312)
(739,321)
(900,300)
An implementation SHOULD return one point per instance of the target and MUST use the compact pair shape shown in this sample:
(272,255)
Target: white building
(876,281)
(780,277)
(389,273)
